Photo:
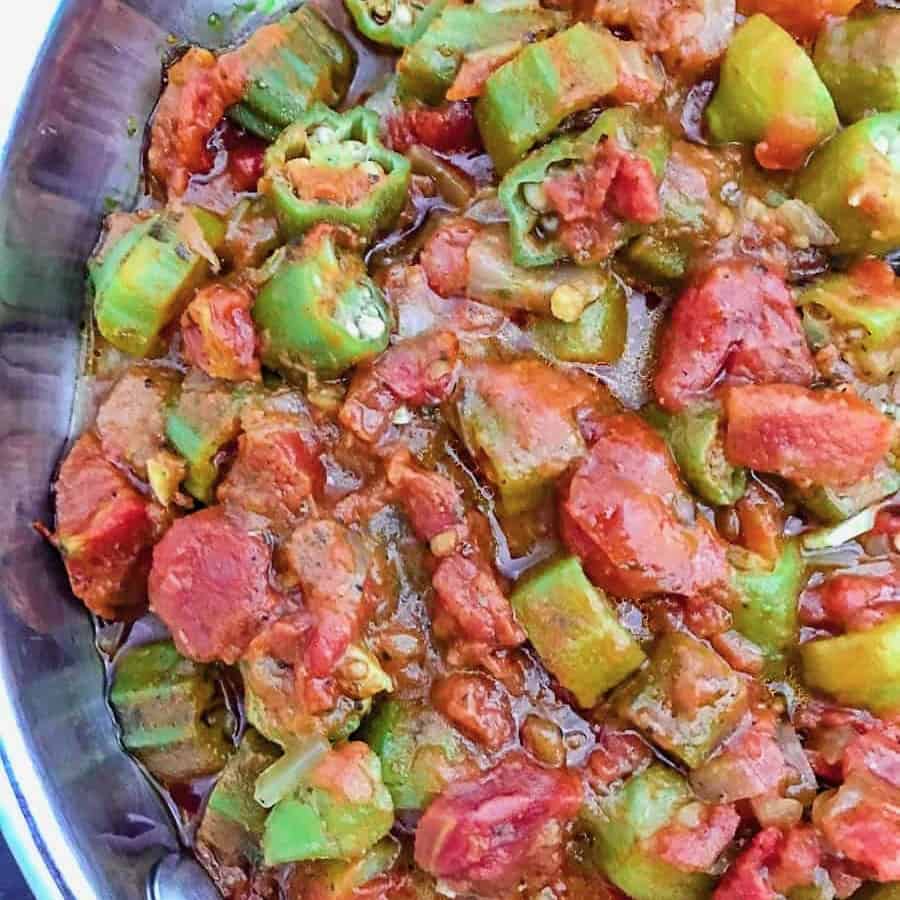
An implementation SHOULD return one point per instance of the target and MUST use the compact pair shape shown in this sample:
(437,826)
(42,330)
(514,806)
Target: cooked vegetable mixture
(493,487)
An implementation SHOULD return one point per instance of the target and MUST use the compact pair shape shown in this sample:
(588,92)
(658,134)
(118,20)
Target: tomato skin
(444,258)
(696,846)
(218,333)
(209,584)
(105,530)
(827,437)
(447,128)
(477,705)
(620,515)
(851,602)
(735,324)
(490,831)
(861,820)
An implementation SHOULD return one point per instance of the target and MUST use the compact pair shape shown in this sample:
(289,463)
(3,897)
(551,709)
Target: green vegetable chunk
(857,669)
(232,824)
(861,318)
(205,418)
(429,66)
(169,713)
(835,505)
(342,811)
(331,167)
(144,278)
(288,67)
(575,630)
(665,702)
(695,439)
(767,613)
(597,336)
(419,751)
(524,100)
(853,183)
(396,23)
(859,61)
(623,824)
(770,93)
(320,312)
(339,880)
(521,190)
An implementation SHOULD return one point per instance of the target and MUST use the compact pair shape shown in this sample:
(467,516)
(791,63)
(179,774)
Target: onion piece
(848,530)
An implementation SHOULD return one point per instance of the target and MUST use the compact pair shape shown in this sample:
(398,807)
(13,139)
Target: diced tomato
(803,20)
(888,521)
(773,864)
(446,128)
(218,333)
(344,773)
(276,471)
(628,517)
(488,832)
(850,602)
(444,257)
(131,420)
(875,276)
(477,67)
(210,585)
(735,324)
(861,820)
(633,194)
(246,155)
(787,144)
(105,530)
(695,839)
(468,595)
(415,372)
(478,706)
(826,437)
(761,518)
(432,502)
(194,100)
(618,755)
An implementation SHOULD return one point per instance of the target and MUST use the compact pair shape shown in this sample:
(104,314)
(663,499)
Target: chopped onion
(836,535)
(286,774)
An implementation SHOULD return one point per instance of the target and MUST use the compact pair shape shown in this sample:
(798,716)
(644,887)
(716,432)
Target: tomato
(861,820)
(210,584)
(444,258)
(618,755)
(194,100)
(628,517)
(696,837)
(446,128)
(105,530)
(275,473)
(246,157)
(735,324)
(478,706)
(432,502)
(850,602)
(488,832)
(802,20)
(218,333)
(471,605)
(826,437)
(761,520)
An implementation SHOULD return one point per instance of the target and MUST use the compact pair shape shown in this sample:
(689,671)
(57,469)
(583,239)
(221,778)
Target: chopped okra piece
(170,714)
(766,611)
(429,66)
(201,423)
(853,183)
(861,668)
(526,99)
(575,630)
(341,879)
(770,94)
(523,190)
(320,312)
(695,439)
(396,23)
(232,825)
(686,699)
(251,233)
(331,167)
(143,279)
(420,751)
(859,61)
(287,67)
(835,505)
(859,315)
(342,810)
(622,826)
(597,334)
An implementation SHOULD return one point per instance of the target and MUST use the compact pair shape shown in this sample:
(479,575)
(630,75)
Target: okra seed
(444,544)
(370,327)
(324,135)
(403,16)
(402,417)
(544,739)
(370,167)
(567,303)
(356,671)
(548,224)
(536,196)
